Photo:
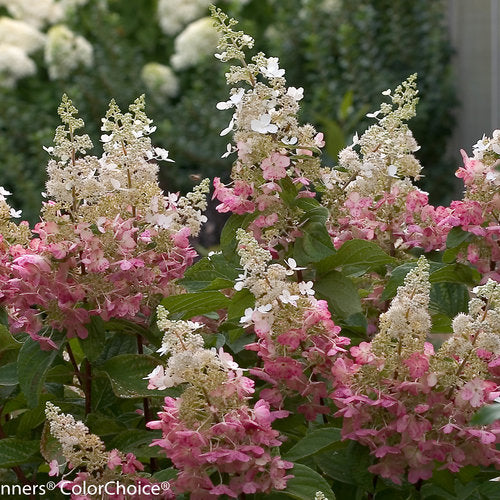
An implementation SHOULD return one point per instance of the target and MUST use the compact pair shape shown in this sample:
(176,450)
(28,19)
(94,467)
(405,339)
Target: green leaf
(288,191)
(457,236)
(431,491)
(316,441)
(355,256)
(31,419)
(93,345)
(192,304)
(340,292)
(487,415)
(315,244)
(8,374)
(449,298)
(16,451)
(7,341)
(60,374)
(166,474)
(102,425)
(455,273)
(126,373)
(228,240)
(347,465)
(50,447)
(136,441)
(210,273)
(490,490)
(240,301)
(305,483)
(32,368)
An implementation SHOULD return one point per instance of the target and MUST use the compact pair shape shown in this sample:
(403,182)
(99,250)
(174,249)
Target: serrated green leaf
(210,273)
(288,191)
(490,490)
(431,491)
(449,298)
(457,236)
(32,418)
(126,373)
(455,273)
(355,256)
(316,441)
(305,483)
(60,374)
(32,367)
(16,451)
(441,323)
(340,292)
(192,304)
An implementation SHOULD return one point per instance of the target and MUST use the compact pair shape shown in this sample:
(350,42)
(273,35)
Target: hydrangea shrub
(344,342)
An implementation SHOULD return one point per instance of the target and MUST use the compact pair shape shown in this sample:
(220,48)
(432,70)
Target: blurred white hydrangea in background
(14,64)
(160,80)
(21,35)
(38,13)
(198,41)
(65,51)
(173,15)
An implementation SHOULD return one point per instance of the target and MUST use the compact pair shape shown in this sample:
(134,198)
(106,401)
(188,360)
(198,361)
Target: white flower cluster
(79,446)
(189,361)
(8,212)
(160,80)
(404,327)
(124,178)
(65,52)
(457,360)
(21,35)
(37,13)
(173,15)
(197,42)
(12,233)
(14,64)
(408,313)
(487,144)
(386,148)
(18,40)
(270,285)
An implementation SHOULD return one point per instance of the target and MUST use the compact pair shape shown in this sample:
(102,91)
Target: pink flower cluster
(262,193)
(238,446)
(416,223)
(305,369)
(71,272)
(411,424)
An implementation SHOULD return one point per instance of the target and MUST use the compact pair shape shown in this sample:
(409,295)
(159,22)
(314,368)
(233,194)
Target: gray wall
(474,29)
